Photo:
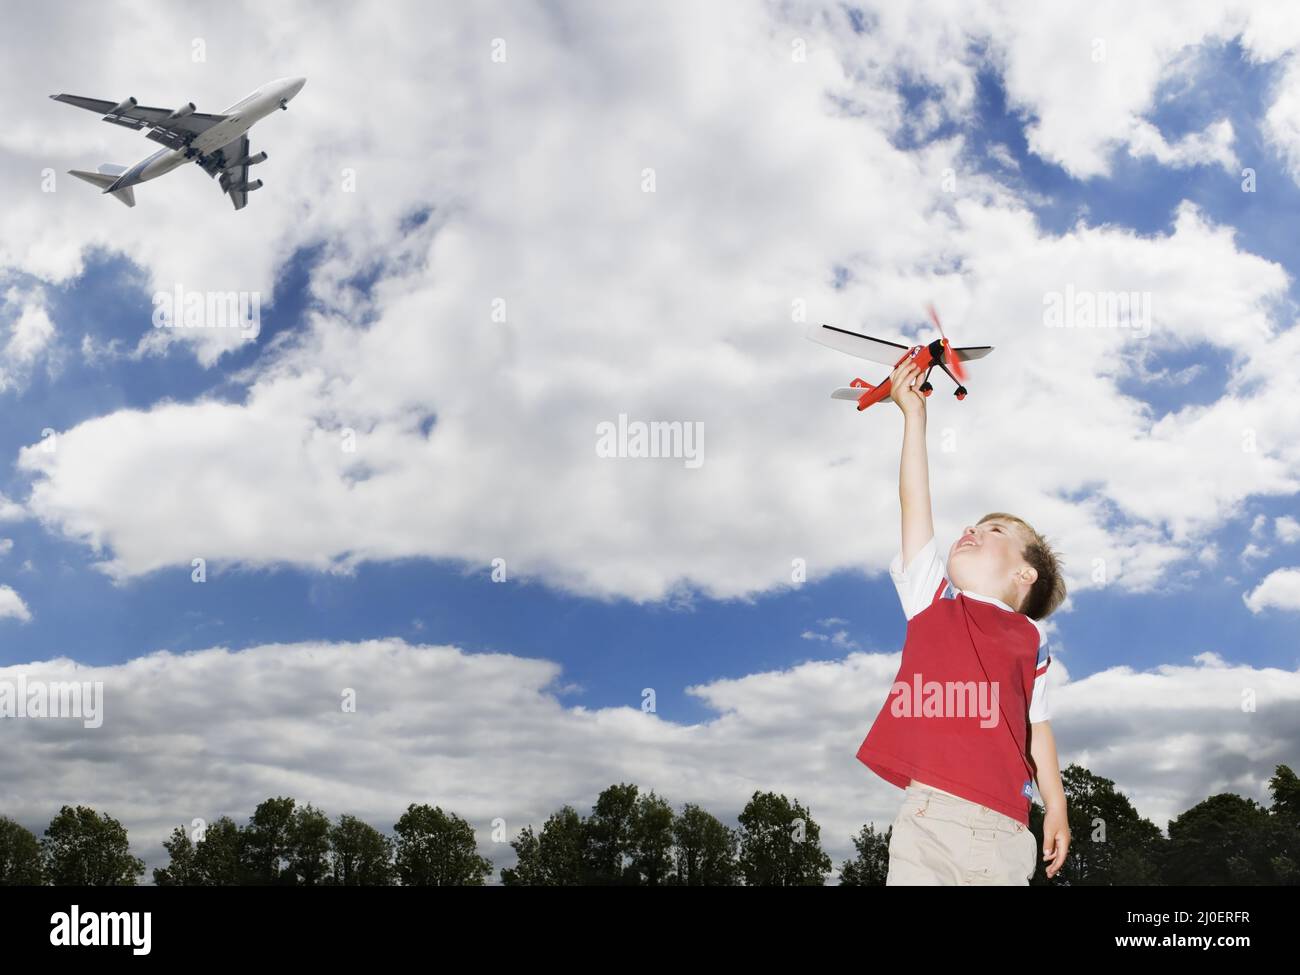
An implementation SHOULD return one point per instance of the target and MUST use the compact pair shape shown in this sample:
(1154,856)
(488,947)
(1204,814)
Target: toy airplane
(937,353)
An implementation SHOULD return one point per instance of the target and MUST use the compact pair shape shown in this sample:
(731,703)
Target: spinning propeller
(954,362)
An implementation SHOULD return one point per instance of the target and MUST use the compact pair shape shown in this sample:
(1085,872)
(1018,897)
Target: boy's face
(987,559)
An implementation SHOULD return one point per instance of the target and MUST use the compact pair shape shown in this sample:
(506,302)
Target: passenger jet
(218,143)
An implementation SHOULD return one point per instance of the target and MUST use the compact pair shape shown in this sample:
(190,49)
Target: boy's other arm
(1056,827)
(913,469)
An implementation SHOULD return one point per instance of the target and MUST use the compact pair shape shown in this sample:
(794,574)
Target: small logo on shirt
(1027,791)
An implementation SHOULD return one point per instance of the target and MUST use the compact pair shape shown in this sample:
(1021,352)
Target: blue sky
(666,306)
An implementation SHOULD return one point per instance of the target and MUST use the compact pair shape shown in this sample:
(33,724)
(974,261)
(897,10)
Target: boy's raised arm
(913,470)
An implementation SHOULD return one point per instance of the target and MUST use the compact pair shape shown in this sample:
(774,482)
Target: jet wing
(174,133)
(855,343)
(230,165)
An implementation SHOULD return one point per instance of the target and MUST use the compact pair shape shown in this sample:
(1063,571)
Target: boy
(970,697)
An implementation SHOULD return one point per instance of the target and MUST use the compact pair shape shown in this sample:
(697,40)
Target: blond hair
(1048,590)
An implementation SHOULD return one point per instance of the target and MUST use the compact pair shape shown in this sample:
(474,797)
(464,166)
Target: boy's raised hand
(909,399)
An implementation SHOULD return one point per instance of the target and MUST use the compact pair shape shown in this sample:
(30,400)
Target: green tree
(1285,789)
(360,855)
(84,848)
(268,842)
(870,867)
(220,857)
(309,846)
(437,849)
(1110,842)
(212,857)
(1220,840)
(182,869)
(780,844)
(609,836)
(527,871)
(20,855)
(1284,826)
(650,842)
(705,850)
(555,858)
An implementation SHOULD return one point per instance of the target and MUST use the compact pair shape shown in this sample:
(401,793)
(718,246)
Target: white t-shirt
(916,589)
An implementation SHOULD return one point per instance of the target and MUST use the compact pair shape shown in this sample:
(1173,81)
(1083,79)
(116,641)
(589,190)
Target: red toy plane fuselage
(926,356)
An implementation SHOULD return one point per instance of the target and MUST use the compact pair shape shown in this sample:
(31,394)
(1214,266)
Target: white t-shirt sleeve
(918,582)
(1038,710)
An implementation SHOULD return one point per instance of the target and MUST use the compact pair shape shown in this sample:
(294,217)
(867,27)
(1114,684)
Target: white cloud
(94,352)
(1002,156)
(1282,121)
(30,334)
(25,336)
(1086,77)
(839,639)
(1279,590)
(1287,529)
(11,510)
(215,732)
(1252,552)
(1212,146)
(12,605)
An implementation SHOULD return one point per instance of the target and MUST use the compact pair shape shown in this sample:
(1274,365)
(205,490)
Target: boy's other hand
(1056,839)
(902,391)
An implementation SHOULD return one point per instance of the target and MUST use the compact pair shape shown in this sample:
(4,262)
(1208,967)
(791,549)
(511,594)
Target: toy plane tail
(853,392)
(863,392)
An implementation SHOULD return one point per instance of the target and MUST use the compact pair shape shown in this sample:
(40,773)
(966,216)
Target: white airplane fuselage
(242,116)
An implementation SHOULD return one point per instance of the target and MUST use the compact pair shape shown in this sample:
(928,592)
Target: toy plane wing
(855,343)
(966,353)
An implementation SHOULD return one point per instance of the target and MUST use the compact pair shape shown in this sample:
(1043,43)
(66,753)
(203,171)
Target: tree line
(638,839)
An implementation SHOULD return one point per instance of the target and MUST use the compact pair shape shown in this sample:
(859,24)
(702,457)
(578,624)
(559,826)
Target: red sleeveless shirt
(957,716)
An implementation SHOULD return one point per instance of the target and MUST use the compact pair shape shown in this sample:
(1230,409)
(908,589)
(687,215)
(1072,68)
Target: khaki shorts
(942,839)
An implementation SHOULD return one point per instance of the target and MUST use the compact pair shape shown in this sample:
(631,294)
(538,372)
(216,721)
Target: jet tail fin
(106,177)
